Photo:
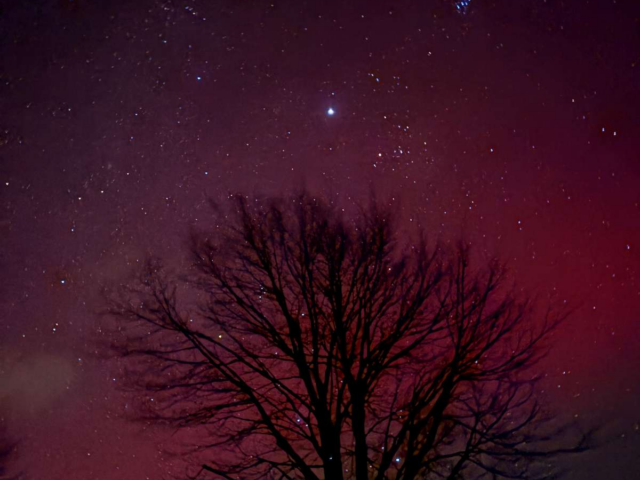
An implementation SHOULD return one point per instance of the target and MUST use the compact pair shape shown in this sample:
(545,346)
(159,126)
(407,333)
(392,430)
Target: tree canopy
(309,344)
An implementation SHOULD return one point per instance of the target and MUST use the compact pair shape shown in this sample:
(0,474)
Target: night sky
(513,123)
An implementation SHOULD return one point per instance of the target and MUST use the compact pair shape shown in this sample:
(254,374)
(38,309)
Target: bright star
(331,111)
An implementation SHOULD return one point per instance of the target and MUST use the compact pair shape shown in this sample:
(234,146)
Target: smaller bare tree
(7,453)
(318,346)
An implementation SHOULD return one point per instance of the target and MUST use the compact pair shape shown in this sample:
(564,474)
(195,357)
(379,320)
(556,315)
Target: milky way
(513,123)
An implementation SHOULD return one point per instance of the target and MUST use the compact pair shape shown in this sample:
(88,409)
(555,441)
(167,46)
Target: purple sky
(516,123)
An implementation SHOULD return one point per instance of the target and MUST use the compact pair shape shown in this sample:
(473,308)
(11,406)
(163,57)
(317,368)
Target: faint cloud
(31,383)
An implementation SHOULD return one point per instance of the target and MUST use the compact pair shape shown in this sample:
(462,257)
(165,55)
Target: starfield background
(513,123)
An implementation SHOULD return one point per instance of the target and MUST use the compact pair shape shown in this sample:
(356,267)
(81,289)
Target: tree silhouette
(314,345)
(7,451)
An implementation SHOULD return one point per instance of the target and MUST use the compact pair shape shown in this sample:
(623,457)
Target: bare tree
(7,451)
(317,346)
